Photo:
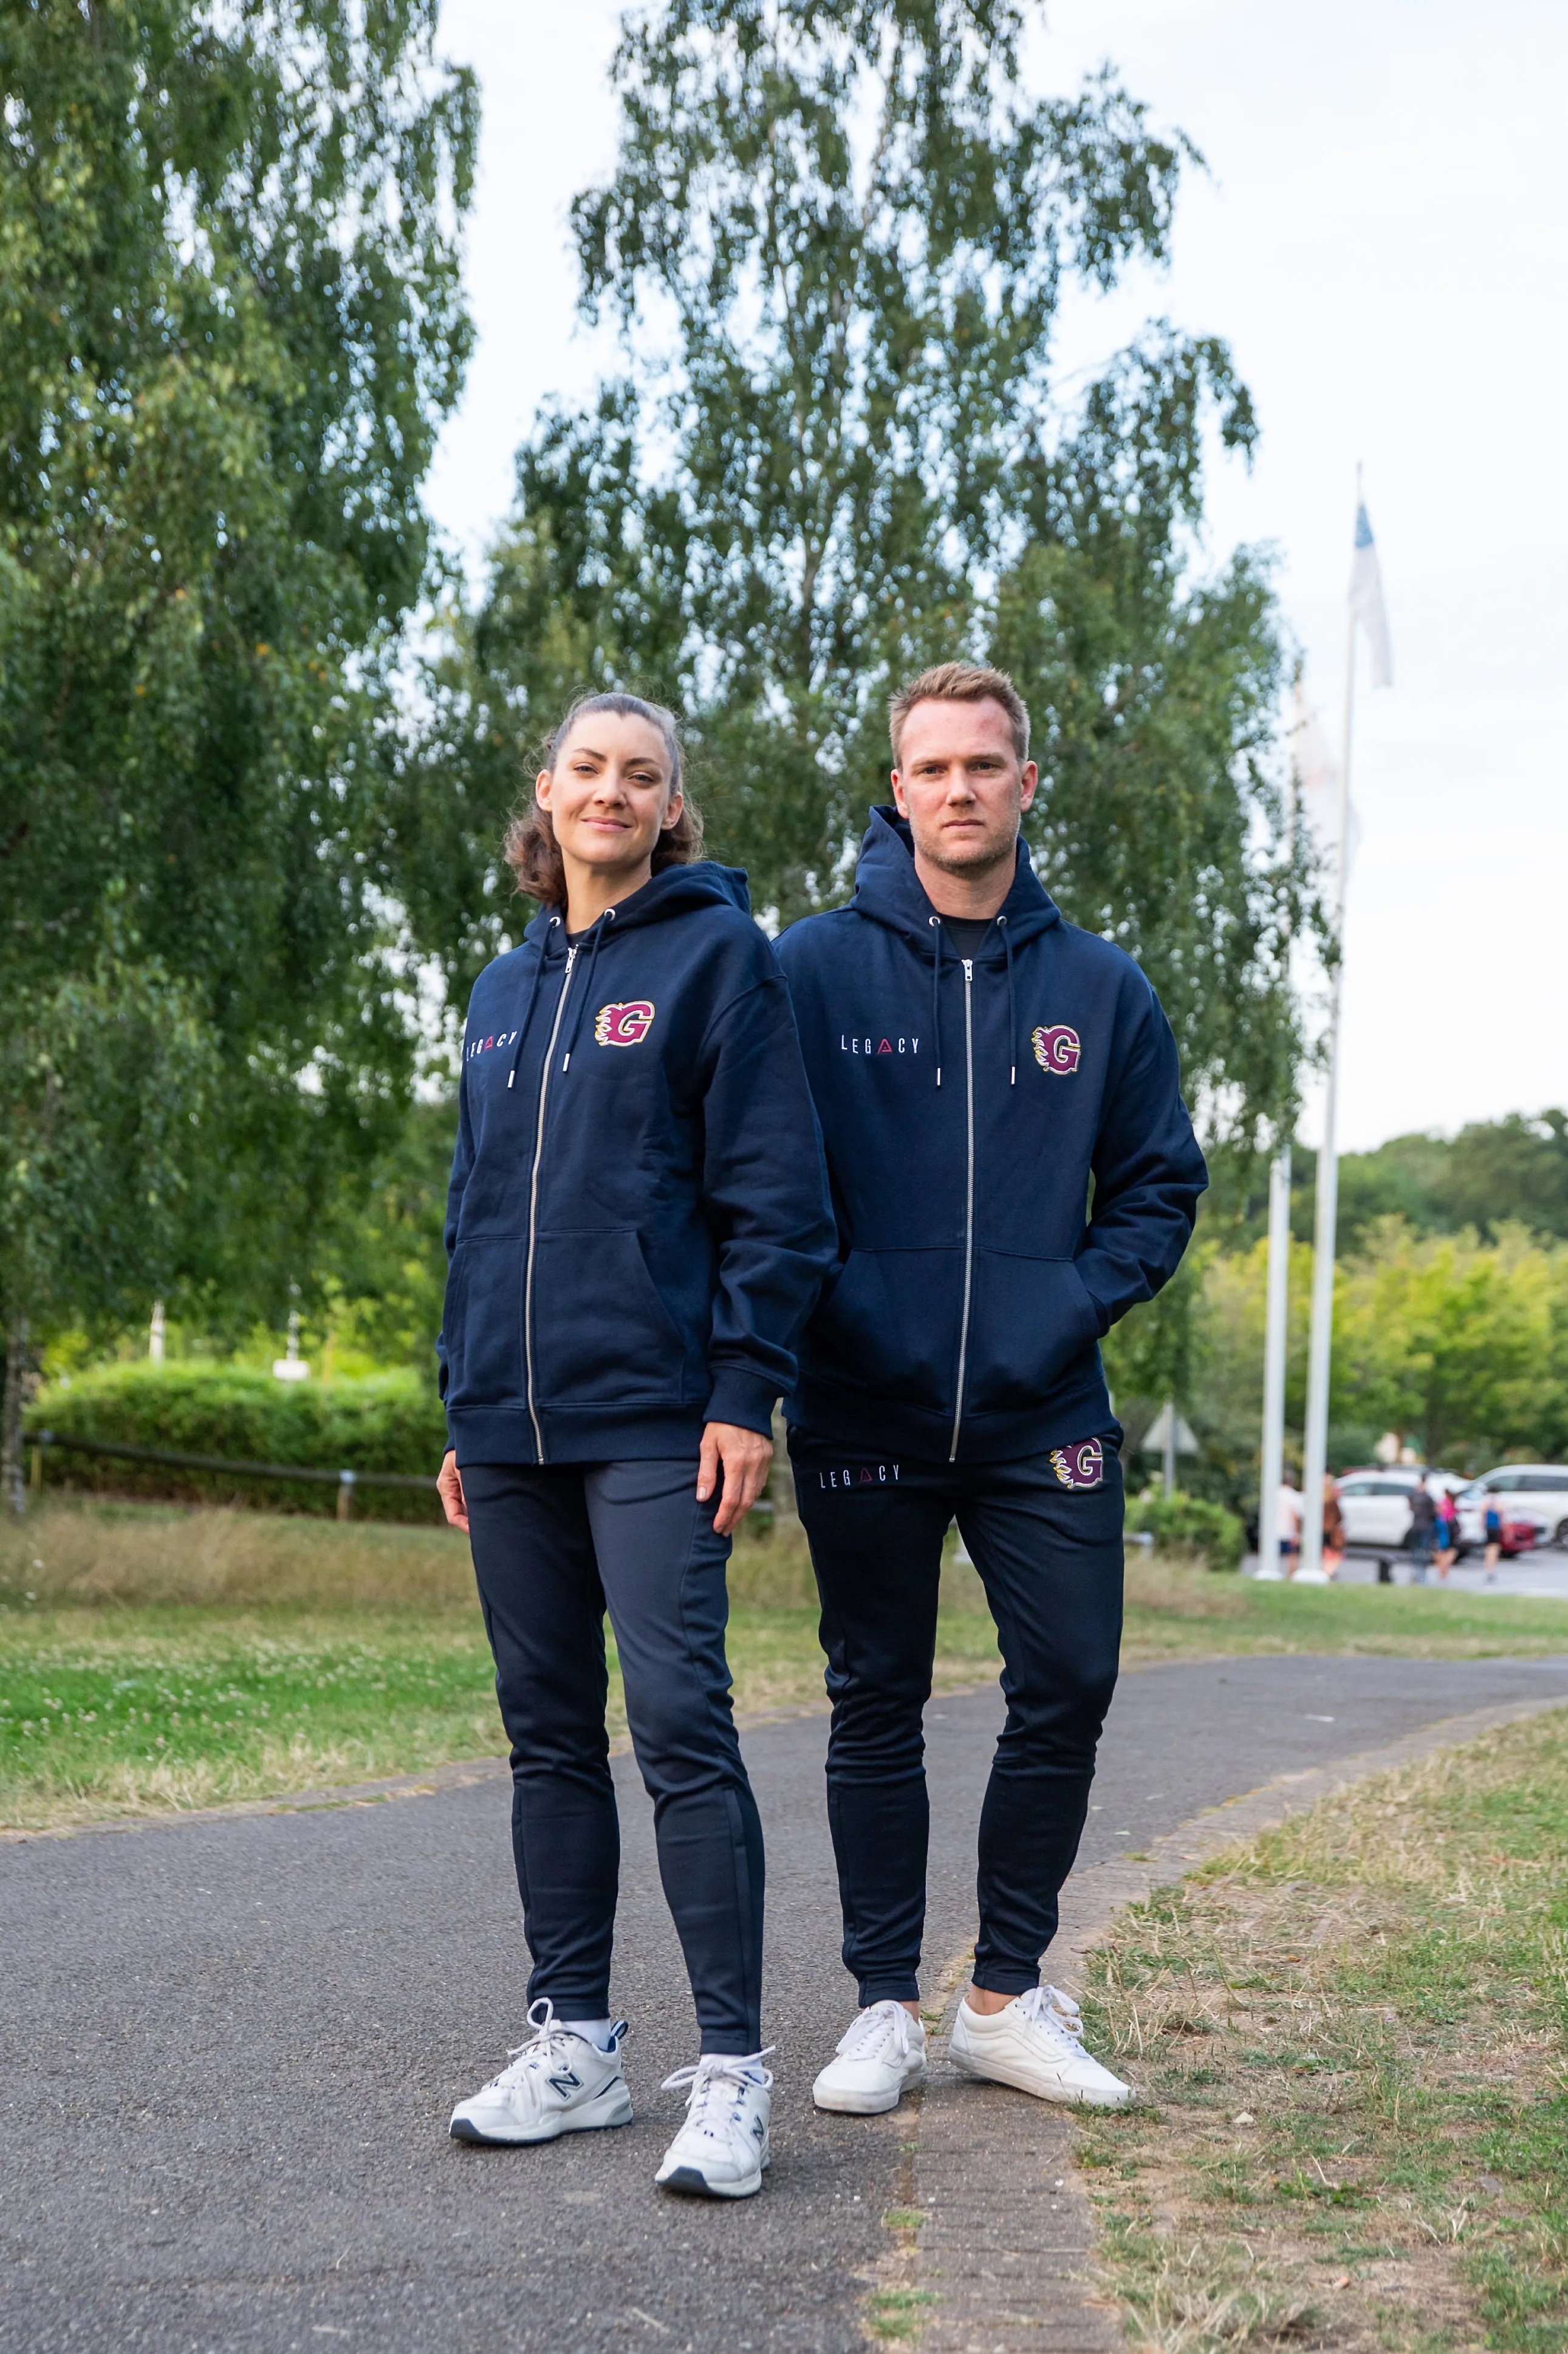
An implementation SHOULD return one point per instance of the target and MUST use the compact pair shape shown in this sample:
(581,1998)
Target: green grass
(1351,2035)
(155,1656)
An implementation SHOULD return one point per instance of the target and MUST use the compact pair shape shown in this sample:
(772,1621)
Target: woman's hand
(449,1487)
(747,1457)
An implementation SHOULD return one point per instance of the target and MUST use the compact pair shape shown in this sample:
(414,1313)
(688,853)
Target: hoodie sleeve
(462,1162)
(765,1190)
(1148,1170)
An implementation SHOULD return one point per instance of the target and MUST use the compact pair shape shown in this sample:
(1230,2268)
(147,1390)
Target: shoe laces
(1057,2013)
(719,2083)
(547,2047)
(876,2026)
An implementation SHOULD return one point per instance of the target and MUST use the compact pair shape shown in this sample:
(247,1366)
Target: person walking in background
(1492,1530)
(980,1067)
(1448,1532)
(1334,1526)
(1289,1517)
(1422,1529)
(637,1227)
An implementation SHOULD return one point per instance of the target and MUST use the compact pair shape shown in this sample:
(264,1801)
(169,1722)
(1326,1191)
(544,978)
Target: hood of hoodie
(890,892)
(673,891)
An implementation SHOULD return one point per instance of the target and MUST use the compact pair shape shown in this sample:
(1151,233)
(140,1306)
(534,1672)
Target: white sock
(597,2031)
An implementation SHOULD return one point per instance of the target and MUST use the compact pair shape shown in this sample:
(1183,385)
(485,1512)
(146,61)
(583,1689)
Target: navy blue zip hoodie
(966,1109)
(638,1223)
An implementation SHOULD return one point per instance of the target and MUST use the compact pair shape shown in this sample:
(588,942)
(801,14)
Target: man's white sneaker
(1036,2044)
(556,2083)
(721,2150)
(884,2053)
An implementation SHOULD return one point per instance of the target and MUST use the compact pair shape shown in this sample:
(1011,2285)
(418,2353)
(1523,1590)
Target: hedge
(391,1422)
(1188,1524)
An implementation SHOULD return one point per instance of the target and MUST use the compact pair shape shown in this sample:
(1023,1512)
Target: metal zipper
(534,1199)
(968,1198)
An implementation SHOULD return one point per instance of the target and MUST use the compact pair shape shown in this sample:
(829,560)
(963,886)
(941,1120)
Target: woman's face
(608,794)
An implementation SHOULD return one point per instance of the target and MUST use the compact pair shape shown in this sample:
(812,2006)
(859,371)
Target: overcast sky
(1381,240)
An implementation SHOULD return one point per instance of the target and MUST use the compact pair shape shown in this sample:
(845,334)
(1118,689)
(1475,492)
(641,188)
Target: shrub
(390,1422)
(1188,1524)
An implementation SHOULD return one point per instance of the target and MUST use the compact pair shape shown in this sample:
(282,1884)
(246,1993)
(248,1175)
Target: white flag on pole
(1366,599)
(1317,779)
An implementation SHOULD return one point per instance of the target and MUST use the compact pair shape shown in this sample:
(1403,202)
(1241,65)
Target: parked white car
(1527,1491)
(1375,1505)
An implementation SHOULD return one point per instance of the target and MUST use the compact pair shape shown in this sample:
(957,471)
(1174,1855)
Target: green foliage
(1494,1173)
(1459,1344)
(835,243)
(1189,1524)
(389,1422)
(233,324)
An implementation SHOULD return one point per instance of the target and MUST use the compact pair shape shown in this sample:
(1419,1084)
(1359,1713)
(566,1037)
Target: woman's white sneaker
(721,2150)
(883,2053)
(1036,2045)
(554,2083)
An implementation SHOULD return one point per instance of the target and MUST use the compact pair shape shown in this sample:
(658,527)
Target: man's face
(960,784)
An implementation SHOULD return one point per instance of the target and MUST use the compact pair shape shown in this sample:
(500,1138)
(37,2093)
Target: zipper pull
(969,966)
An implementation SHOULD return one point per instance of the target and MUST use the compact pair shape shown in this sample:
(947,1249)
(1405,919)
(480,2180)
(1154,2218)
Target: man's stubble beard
(992,862)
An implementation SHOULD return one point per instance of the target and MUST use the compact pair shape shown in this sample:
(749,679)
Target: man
(1422,1527)
(976,1065)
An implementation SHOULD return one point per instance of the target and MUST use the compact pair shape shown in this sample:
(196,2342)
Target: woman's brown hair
(531,849)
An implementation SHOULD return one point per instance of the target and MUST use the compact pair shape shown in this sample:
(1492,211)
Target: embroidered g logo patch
(623,1025)
(1083,1466)
(1056,1049)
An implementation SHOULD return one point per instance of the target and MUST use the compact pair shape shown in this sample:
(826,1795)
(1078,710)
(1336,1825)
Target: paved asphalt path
(229,2048)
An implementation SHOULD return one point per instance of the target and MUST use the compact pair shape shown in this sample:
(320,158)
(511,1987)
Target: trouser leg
(543,1611)
(876,1530)
(662,1569)
(1051,1560)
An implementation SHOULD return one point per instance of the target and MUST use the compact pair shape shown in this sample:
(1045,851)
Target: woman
(1448,1532)
(1334,1526)
(637,1226)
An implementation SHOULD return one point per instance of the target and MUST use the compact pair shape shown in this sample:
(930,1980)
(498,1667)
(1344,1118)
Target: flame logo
(1056,1049)
(623,1025)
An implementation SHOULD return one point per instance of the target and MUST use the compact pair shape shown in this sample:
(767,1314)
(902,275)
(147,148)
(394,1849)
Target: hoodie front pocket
(891,1323)
(602,1335)
(484,1323)
(1029,1320)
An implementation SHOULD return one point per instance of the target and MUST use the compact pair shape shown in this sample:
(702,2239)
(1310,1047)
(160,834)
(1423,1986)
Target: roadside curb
(1002,2260)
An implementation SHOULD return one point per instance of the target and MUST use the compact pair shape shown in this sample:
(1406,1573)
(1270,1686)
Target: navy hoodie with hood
(638,1223)
(967,1108)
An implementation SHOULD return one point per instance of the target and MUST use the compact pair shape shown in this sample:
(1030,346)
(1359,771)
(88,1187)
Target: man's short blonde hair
(957,681)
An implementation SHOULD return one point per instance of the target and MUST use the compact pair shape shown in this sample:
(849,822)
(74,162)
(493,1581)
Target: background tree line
(833,251)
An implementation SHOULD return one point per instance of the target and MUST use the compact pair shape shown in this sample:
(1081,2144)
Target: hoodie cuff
(747,1399)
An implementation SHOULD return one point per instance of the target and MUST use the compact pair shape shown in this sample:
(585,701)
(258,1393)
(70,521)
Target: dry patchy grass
(1351,2036)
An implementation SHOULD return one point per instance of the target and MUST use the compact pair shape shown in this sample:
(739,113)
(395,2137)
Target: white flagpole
(1272,1455)
(1321,1351)
(1273,1471)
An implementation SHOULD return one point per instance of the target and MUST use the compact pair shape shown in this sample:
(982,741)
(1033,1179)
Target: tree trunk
(21,1378)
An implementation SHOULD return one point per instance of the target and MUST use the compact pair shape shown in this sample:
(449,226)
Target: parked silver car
(1527,1491)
